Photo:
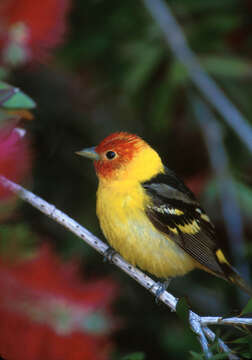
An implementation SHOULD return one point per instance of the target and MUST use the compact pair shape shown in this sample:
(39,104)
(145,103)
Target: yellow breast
(120,209)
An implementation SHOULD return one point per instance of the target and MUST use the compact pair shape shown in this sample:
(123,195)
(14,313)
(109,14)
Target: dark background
(115,72)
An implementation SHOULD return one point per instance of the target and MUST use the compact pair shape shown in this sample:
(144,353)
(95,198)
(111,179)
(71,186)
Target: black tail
(235,278)
(230,274)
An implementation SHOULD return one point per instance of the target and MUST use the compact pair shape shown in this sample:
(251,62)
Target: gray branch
(215,96)
(197,323)
(234,321)
(211,336)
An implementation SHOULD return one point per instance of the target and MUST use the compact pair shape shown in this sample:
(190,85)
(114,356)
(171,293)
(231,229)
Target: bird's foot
(162,287)
(109,254)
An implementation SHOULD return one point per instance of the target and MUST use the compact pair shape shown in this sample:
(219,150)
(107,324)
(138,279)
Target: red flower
(14,156)
(30,28)
(48,312)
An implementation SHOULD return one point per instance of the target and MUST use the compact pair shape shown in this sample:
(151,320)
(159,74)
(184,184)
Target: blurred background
(94,67)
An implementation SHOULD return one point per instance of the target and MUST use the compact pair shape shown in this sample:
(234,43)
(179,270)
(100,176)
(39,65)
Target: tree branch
(218,320)
(211,336)
(177,42)
(197,323)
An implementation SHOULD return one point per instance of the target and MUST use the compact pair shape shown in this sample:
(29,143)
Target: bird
(150,217)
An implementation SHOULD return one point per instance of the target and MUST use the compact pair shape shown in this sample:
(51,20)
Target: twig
(211,336)
(234,321)
(177,42)
(197,323)
(196,326)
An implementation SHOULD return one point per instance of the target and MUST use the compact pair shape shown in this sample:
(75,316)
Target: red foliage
(15,159)
(35,26)
(45,312)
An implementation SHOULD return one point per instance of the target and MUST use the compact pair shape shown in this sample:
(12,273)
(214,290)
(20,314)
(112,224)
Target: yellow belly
(129,231)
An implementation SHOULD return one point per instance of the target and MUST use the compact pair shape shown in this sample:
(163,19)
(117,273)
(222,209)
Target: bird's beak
(89,153)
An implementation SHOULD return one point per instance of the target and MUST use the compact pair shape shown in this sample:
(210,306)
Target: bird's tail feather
(235,278)
(231,274)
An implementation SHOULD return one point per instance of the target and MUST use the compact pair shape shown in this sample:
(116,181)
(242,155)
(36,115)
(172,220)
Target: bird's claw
(109,254)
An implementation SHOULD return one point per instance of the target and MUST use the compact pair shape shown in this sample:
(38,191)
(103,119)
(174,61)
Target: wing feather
(175,211)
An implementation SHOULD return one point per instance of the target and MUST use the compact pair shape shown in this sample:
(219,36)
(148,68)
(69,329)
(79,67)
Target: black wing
(176,212)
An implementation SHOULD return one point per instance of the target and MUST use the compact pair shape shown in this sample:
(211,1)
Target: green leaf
(247,308)
(145,58)
(243,340)
(246,355)
(220,356)
(182,310)
(178,74)
(173,345)
(227,66)
(201,356)
(6,94)
(13,98)
(134,356)
(162,104)
(197,356)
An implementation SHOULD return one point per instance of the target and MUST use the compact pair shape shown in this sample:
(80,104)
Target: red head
(116,151)
(122,156)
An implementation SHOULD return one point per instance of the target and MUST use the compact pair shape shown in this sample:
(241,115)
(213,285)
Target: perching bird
(148,214)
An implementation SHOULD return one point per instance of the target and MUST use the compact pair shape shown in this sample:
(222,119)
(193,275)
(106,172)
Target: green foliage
(248,308)
(182,309)
(244,345)
(171,340)
(223,66)
(134,356)
(13,98)
(17,241)
(196,356)
(215,350)
(115,72)
(146,58)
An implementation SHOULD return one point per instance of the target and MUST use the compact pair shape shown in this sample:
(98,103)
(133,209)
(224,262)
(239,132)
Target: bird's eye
(110,155)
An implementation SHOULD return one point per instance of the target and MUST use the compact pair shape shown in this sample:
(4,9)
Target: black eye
(110,155)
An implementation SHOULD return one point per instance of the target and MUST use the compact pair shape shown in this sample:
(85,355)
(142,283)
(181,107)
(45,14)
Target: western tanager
(148,214)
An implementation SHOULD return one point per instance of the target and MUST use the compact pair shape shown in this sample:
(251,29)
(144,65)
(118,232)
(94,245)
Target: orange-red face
(124,158)
(115,152)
